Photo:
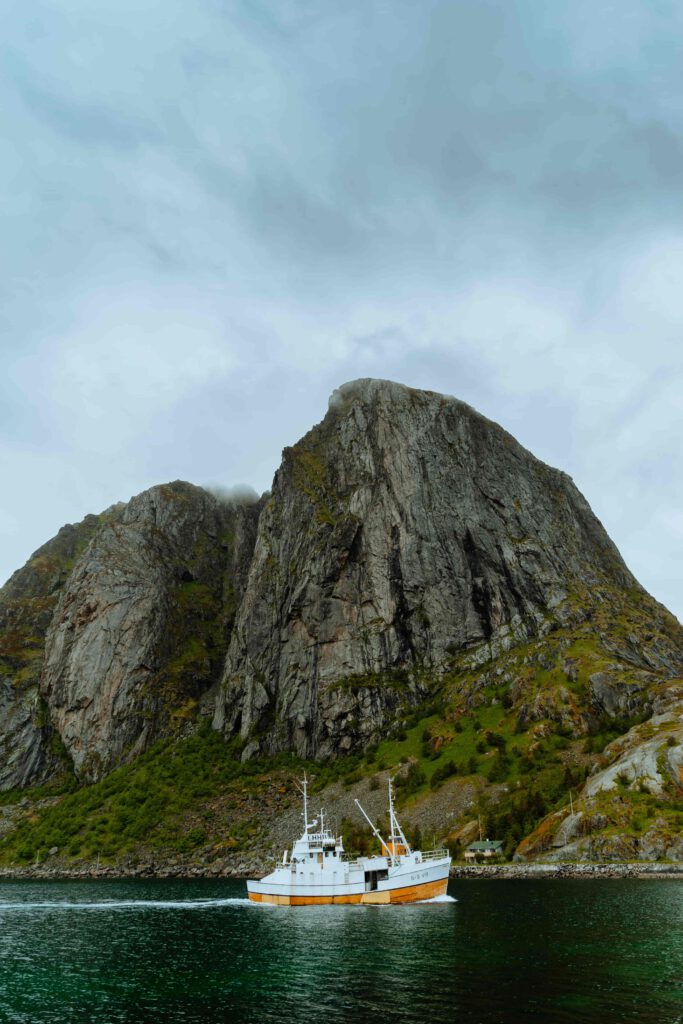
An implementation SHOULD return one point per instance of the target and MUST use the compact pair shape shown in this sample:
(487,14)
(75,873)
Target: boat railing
(435,854)
(438,854)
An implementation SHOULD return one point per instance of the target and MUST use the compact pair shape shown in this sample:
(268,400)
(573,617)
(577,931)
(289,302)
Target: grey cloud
(241,494)
(80,121)
(454,105)
(214,214)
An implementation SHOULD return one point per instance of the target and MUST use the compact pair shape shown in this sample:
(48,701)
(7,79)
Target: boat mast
(396,830)
(303,789)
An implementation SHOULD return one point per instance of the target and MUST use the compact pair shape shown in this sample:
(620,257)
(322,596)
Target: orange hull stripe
(408,894)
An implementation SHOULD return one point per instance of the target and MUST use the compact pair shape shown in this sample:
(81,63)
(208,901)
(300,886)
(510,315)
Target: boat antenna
(395,827)
(375,831)
(303,789)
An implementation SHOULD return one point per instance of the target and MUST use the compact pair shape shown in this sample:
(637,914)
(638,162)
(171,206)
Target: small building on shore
(484,849)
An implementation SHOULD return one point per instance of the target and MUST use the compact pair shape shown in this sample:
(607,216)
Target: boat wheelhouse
(317,871)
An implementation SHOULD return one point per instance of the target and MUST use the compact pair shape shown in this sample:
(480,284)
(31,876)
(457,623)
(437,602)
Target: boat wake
(131,905)
(414,903)
(168,904)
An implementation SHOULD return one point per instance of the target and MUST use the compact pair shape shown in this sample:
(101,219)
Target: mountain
(417,594)
(402,531)
(115,631)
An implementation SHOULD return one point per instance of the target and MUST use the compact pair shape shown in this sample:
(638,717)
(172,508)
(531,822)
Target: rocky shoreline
(635,869)
(243,869)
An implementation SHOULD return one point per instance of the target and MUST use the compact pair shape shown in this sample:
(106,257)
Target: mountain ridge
(408,555)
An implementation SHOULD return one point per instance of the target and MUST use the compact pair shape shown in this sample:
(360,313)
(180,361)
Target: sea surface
(197,951)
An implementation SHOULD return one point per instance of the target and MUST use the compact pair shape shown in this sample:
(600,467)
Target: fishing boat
(317,871)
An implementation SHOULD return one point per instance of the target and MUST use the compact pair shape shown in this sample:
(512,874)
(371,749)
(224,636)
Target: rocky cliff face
(402,531)
(115,631)
(28,752)
(140,632)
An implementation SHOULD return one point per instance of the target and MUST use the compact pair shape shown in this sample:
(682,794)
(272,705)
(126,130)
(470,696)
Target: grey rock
(568,830)
(140,631)
(27,602)
(639,758)
(403,530)
(613,696)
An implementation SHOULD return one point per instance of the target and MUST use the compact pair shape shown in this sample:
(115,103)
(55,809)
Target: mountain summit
(401,531)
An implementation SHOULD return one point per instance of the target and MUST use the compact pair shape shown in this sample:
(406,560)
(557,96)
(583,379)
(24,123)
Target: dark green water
(133,952)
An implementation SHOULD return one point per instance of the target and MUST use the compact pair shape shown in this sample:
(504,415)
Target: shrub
(414,837)
(494,739)
(454,848)
(412,780)
(500,768)
(445,771)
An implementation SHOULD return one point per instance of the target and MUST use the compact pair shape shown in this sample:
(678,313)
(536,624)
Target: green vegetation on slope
(517,734)
(153,803)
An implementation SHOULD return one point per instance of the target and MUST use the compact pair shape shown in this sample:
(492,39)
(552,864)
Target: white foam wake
(131,905)
(440,899)
(415,903)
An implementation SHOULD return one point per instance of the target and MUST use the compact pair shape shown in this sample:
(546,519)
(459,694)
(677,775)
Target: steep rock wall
(401,531)
(29,749)
(139,635)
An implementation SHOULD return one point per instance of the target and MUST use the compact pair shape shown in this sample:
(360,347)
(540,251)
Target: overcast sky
(216,212)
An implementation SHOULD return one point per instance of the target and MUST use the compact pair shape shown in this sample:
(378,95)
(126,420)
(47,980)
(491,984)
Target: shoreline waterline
(479,872)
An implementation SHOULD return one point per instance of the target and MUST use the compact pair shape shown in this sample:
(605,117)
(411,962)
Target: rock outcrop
(27,603)
(403,530)
(140,631)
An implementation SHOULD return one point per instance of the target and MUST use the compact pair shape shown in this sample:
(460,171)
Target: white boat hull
(409,881)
